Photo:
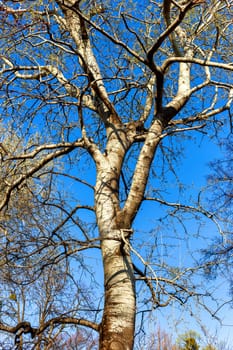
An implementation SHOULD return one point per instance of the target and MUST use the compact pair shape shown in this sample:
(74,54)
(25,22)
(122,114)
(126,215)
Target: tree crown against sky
(99,102)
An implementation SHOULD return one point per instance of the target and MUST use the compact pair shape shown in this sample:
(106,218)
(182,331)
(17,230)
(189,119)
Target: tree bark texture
(115,220)
(117,328)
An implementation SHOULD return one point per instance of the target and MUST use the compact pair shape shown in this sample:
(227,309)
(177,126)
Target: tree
(161,340)
(38,282)
(190,344)
(80,340)
(219,192)
(220,181)
(188,341)
(107,93)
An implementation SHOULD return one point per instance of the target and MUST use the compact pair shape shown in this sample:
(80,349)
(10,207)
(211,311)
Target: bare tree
(105,91)
(219,194)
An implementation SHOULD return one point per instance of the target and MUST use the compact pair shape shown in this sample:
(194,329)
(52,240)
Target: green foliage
(190,340)
(190,344)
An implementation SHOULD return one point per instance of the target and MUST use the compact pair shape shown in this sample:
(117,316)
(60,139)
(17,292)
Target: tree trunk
(118,323)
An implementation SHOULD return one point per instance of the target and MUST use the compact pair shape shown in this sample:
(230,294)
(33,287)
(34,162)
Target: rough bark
(114,223)
(117,328)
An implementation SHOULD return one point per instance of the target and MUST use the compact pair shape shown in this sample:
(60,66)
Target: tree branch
(26,328)
(197,61)
(188,208)
(77,28)
(41,163)
(39,72)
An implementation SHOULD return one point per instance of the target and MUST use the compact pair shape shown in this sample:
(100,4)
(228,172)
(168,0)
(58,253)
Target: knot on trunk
(126,232)
(117,234)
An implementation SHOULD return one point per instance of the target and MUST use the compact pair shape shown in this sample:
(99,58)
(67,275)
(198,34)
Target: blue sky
(191,169)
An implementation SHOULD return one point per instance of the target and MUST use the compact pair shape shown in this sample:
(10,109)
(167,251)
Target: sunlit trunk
(118,323)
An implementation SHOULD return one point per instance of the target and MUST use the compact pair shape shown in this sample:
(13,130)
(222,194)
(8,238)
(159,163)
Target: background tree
(106,94)
(161,340)
(190,344)
(35,287)
(219,192)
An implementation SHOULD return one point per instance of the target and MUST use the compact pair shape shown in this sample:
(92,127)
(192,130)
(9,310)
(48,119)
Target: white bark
(114,222)
(117,329)
(117,326)
(77,28)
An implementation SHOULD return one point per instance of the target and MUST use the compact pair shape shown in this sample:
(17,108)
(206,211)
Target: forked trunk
(117,329)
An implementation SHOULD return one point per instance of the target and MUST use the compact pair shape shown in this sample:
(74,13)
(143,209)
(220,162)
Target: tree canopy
(99,103)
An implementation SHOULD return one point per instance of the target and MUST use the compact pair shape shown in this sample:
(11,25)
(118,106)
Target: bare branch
(204,63)
(26,328)
(189,208)
(41,163)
